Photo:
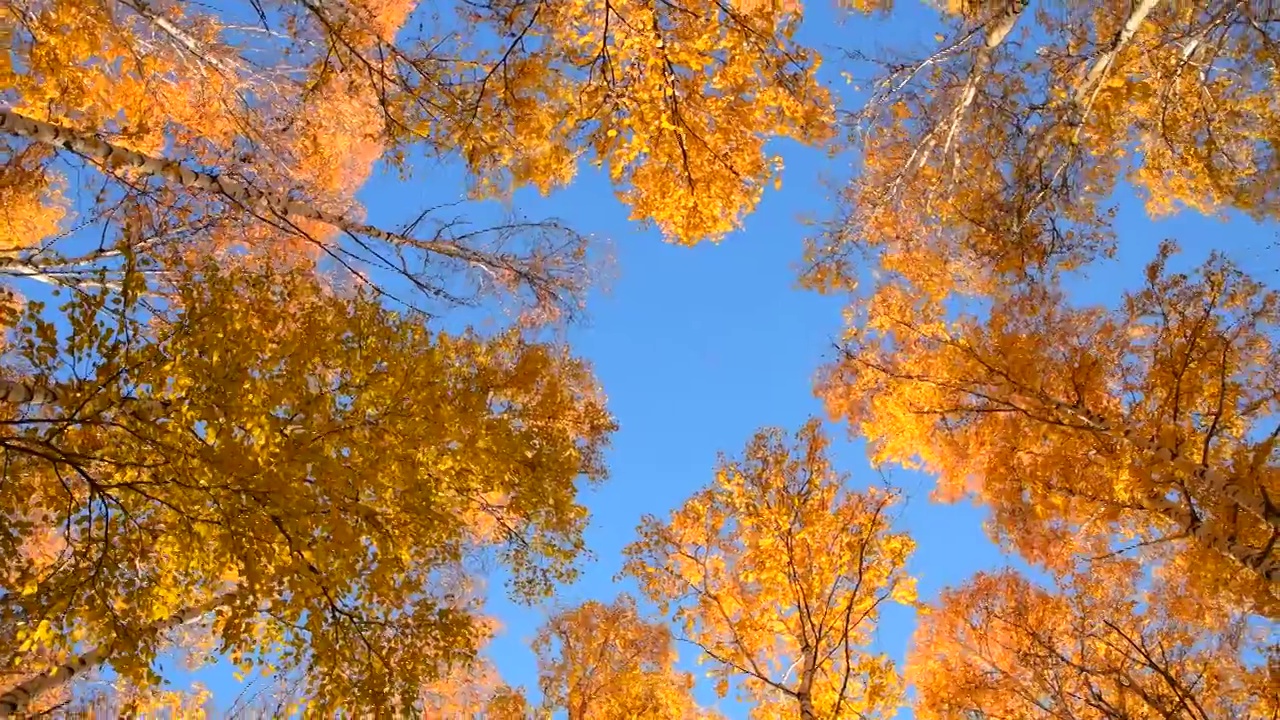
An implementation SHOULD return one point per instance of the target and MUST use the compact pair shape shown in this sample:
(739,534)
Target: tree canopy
(251,413)
(776,574)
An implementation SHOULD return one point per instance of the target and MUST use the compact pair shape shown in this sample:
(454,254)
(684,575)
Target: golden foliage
(678,99)
(605,661)
(31,200)
(1082,428)
(472,691)
(318,456)
(1145,431)
(777,573)
(149,702)
(1094,648)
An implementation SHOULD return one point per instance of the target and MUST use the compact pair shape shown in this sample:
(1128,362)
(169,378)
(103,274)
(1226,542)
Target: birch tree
(777,574)
(314,469)
(992,157)
(1087,431)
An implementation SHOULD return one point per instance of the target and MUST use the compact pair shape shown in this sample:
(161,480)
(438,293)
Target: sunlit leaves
(472,691)
(31,200)
(606,661)
(677,99)
(1088,430)
(1093,648)
(324,459)
(777,573)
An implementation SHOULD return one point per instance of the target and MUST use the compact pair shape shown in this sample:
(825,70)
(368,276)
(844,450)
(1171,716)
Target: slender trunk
(806,706)
(190,44)
(804,691)
(1080,99)
(998,28)
(14,702)
(26,393)
(17,698)
(1102,63)
(174,172)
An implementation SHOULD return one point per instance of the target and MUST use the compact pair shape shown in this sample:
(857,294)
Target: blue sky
(698,347)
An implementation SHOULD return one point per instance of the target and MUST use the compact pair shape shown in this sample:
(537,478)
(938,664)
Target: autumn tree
(473,690)
(192,431)
(678,99)
(777,573)
(1143,430)
(994,156)
(302,468)
(605,660)
(1096,646)
(1089,431)
(301,101)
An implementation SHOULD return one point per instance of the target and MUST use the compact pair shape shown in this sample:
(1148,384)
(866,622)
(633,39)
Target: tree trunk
(806,706)
(174,172)
(17,698)
(26,393)
(997,29)
(1081,97)
(804,692)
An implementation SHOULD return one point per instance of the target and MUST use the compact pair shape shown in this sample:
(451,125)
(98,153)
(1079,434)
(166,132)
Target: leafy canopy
(319,471)
(604,660)
(777,573)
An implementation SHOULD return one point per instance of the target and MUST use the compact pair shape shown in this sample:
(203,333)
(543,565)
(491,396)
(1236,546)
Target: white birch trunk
(1081,98)
(174,172)
(17,698)
(26,393)
(998,28)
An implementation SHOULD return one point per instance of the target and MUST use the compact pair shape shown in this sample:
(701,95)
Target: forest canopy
(267,405)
